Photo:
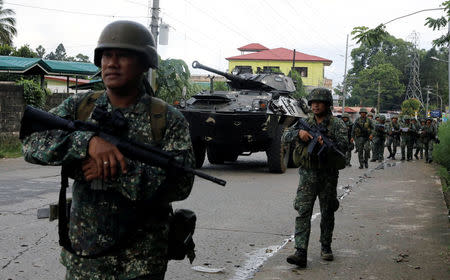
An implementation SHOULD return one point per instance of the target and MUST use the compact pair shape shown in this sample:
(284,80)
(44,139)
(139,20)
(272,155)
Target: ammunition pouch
(181,243)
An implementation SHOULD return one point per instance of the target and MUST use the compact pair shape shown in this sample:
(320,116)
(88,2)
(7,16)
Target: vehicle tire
(199,153)
(215,155)
(291,163)
(278,154)
(232,157)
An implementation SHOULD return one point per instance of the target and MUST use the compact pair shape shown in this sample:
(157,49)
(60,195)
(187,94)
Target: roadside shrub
(441,152)
(10,146)
(33,94)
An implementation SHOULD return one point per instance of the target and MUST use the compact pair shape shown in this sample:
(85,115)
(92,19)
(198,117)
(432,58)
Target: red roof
(347,110)
(253,47)
(64,79)
(280,54)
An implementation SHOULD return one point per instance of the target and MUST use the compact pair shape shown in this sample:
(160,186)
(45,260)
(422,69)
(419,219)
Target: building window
(271,69)
(242,70)
(303,71)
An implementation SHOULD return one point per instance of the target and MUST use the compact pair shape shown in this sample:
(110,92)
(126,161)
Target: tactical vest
(332,161)
(362,130)
(157,111)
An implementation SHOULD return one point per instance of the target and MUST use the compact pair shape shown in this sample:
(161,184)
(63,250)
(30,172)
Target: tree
(299,88)
(172,76)
(7,25)
(82,58)
(410,106)
(372,36)
(25,51)
(40,51)
(382,77)
(59,54)
(6,50)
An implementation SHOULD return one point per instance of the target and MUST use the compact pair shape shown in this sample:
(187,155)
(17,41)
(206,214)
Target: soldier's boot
(326,254)
(298,258)
(361,166)
(390,152)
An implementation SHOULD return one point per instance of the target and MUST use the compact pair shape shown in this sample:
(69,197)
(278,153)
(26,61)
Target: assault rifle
(317,132)
(35,120)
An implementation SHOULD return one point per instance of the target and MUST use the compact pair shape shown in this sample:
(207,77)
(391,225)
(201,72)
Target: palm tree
(7,25)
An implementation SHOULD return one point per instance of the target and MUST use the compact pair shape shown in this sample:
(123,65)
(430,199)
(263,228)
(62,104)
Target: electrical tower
(413,90)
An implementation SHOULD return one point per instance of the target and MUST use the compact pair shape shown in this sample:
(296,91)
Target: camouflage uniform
(419,140)
(393,140)
(100,218)
(351,145)
(429,133)
(407,138)
(379,139)
(318,178)
(362,129)
(119,230)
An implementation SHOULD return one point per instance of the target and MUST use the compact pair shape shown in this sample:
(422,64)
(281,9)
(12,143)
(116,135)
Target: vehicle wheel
(291,163)
(231,157)
(278,154)
(215,155)
(199,153)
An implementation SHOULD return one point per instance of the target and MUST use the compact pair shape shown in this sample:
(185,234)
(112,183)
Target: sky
(210,30)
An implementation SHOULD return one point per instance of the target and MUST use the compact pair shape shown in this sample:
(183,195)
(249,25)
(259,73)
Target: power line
(72,12)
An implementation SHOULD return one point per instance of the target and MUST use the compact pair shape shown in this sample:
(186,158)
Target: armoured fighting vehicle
(251,117)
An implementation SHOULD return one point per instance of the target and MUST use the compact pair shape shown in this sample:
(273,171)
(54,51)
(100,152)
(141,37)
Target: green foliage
(6,49)
(7,25)
(382,77)
(25,51)
(410,106)
(172,76)
(40,51)
(299,88)
(441,151)
(33,93)
(10,146)
(221,86)
(369,36)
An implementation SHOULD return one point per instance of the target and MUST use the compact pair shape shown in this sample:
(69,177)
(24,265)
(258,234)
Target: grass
(10,146)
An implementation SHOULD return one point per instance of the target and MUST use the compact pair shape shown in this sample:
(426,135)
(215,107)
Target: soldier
(393,140)
(429,134)
(407,137)
(318,177)
(379,139)
(351,145)
(362,134)
(419,139)
(119,218)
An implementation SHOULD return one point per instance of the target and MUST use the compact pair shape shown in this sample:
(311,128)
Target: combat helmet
(345,115)
(128,35)
(320,94)
(382,117)
(363,110)
(394,117)
(406,118)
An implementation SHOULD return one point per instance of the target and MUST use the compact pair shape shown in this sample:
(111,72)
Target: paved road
(239,226)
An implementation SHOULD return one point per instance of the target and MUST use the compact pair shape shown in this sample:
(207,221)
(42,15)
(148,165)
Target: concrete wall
(12,105)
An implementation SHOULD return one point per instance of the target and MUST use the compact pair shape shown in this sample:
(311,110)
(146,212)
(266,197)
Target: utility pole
(379,98)
(448,71)
(428,97)
(344,93)
(154,30)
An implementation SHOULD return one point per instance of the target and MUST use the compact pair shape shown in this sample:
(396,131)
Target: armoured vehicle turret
(250,117)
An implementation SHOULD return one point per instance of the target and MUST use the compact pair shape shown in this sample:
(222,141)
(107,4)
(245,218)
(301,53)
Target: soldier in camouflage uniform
(379,139)
(351,145)
(120,230)
(419,140)
(408,130)
(318,178)
(429,134)
(362,134)
(393,140)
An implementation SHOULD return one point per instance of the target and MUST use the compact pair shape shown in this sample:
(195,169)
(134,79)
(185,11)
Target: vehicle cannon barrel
(229,76)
